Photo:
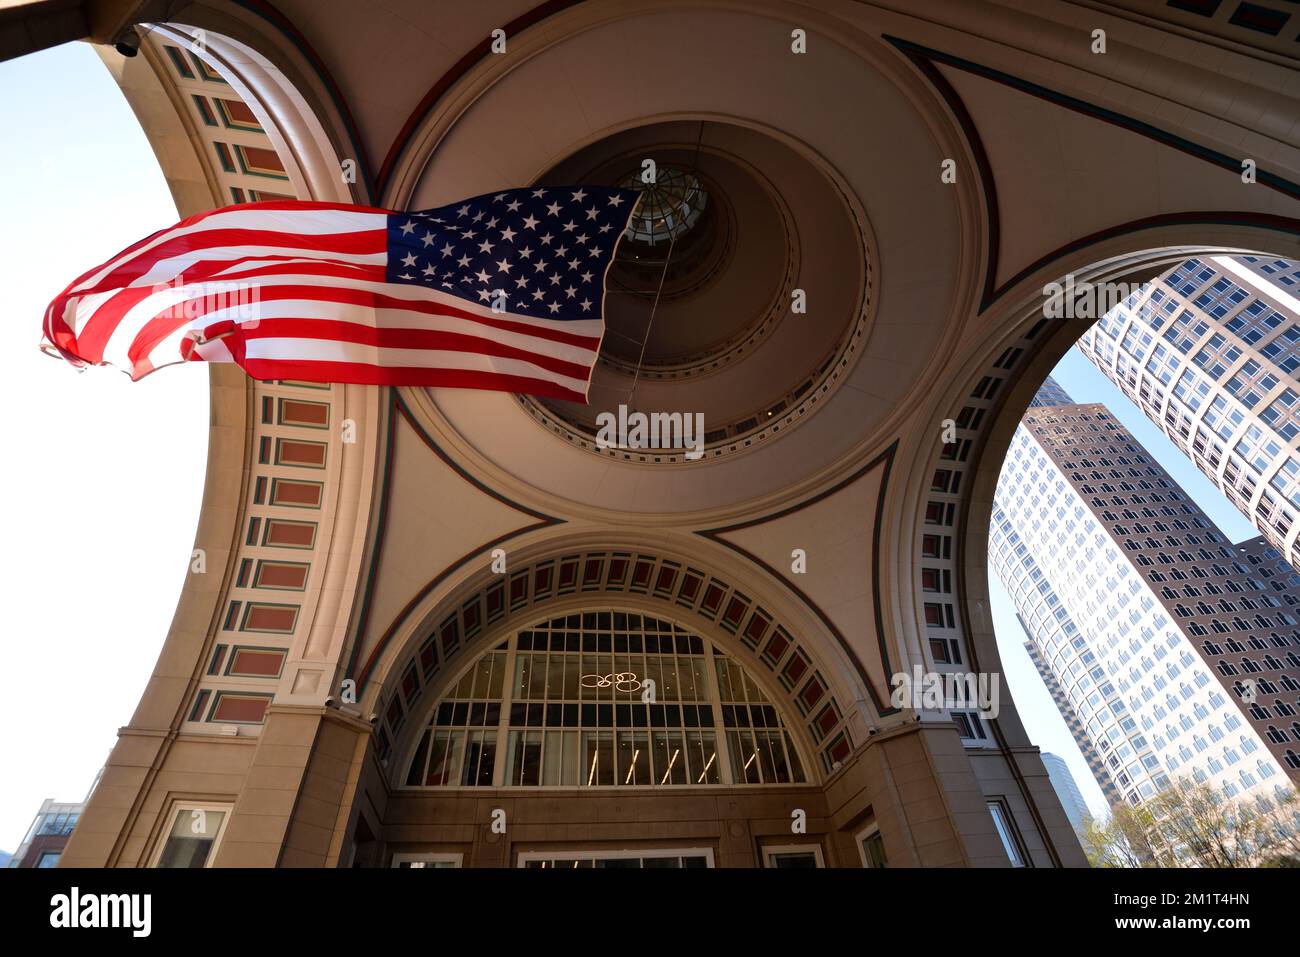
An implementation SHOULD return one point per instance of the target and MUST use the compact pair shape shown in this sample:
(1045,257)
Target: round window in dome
(669,207)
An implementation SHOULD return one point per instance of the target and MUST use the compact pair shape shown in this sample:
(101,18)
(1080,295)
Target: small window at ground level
(671,858)
(427,860)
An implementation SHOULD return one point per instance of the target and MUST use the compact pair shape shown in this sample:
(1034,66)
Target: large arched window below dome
(568,703)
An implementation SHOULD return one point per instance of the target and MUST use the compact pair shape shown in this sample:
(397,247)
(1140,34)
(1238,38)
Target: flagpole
(663,276)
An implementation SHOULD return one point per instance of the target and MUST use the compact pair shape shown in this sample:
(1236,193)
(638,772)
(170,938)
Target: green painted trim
(235,649)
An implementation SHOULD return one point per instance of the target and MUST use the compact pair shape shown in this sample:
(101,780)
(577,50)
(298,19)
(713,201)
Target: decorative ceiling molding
(925,60)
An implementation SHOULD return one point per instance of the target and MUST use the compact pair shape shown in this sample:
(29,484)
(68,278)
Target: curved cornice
(281,23)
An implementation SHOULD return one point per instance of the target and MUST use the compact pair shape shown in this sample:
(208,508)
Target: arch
(215,62)
(578,624)
(826,710)
(988,403)
(291,122)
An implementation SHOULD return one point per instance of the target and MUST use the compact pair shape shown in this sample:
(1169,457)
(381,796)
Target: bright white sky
(100,493)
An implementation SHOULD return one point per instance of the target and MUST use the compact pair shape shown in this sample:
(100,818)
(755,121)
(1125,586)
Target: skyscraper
(1050,393)
(1170,651)
(1063,781)
(1209,351)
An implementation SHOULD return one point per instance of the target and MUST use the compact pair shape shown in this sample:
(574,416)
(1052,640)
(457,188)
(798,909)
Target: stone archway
(819,694)
(988,406)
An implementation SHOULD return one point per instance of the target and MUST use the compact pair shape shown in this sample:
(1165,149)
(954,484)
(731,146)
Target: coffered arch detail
(786,650)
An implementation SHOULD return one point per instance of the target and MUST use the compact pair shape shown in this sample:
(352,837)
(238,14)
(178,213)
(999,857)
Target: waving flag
(503,291)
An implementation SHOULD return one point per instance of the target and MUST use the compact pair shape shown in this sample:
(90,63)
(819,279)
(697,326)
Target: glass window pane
(480,758)
(192,835)
(611,738)
(873,850)
(704,756)
(537,678)
(524,759)
(498,676)
(1004,831)
(634,758)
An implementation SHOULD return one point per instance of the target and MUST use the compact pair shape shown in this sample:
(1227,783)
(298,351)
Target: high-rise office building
(1170,651)
(1076,809)
(1096,765)
(1209,351)
(1050,393)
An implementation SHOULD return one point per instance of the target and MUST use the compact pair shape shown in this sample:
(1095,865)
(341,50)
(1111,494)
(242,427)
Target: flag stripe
(333,350)
(367,374)
(354,219)
(171,257)
(386,339)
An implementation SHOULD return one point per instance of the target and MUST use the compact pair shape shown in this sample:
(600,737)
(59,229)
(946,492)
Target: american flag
(503,291)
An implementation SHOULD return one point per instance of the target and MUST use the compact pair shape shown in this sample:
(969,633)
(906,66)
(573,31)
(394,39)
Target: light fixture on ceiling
(128,43)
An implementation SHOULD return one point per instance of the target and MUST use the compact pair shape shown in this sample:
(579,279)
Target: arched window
(606,699)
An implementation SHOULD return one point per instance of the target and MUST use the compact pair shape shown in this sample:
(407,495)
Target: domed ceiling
(701,312)
(790,278)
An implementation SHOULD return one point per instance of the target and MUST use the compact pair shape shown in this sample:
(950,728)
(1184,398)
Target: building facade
(1076,808)
(1142,618)
(1050,393)
(43,844)
(1209,351)
(356,681)
(1100,770)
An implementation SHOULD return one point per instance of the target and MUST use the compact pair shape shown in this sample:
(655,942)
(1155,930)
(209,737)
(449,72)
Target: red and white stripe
(315,306)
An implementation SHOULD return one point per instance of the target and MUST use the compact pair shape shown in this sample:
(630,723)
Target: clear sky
(1046,728)
(103,477)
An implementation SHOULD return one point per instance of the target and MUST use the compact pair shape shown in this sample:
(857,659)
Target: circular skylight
(669,207)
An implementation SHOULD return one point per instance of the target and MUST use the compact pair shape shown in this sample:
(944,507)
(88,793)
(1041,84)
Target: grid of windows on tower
(1210,352)
(1121,583)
